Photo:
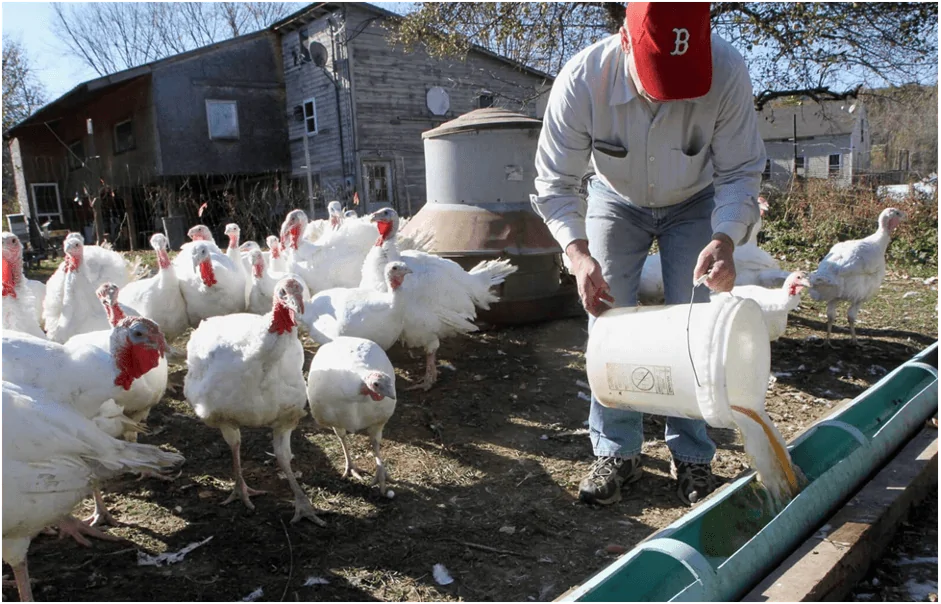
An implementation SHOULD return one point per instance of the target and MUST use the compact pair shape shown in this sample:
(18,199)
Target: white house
(833,140)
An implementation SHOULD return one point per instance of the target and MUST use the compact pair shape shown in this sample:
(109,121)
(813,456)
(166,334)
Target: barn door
(377,176)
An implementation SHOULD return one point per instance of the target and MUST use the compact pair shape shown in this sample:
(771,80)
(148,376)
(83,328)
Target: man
(664,111)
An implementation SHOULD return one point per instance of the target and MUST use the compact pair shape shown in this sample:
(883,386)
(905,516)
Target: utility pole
(795,146)
(95,185)
(310,180)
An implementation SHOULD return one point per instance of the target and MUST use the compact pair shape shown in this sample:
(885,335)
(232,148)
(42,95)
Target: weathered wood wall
(389,94)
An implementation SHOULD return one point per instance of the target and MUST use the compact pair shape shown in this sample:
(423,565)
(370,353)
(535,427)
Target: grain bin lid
(490,118)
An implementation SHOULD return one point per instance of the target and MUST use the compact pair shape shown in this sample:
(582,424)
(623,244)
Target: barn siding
(390,87)
(245,71)
(304,80)
(816,151)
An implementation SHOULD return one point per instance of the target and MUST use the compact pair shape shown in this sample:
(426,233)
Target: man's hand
(592,288)
(716,260)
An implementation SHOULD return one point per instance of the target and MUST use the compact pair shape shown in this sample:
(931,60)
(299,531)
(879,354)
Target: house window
(835,164)
(767,172)
(76,155)
(310,116)
(223,119)
(484,100)
(799,165)
(46,203)
(378,176)
(123,136)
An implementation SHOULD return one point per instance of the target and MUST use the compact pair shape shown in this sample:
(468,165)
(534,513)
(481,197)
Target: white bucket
(637,359)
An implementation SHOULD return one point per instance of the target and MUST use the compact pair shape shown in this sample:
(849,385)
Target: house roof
(92,89)
(829,118)
(317,10)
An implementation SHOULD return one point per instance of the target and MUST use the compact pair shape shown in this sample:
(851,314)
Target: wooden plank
(828,565)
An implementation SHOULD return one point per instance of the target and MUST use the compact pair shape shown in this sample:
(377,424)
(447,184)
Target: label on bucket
(649,379)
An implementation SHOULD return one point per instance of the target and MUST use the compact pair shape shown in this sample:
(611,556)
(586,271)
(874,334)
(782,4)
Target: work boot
(693,480)
(606,477)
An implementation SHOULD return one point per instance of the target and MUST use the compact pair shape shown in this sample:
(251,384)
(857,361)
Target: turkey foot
(303,509)
(244,492)
(76,529)
(281,439)
(101,516)
(350,468)
(166,477)
(431,374)
(240,489)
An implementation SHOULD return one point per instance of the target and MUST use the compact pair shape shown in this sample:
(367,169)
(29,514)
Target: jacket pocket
(687,170)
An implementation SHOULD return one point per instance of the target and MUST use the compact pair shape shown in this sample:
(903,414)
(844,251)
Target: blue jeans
(619,237)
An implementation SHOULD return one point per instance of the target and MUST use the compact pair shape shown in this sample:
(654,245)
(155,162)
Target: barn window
(835,164)
(123,136)
(46,203)
(767,172)
(310,116)
(76,155)
(223,119)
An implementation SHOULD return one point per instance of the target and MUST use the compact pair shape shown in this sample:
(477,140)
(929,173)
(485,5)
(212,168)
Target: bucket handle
(689,348)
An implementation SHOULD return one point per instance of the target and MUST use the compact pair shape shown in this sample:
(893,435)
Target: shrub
(804,222)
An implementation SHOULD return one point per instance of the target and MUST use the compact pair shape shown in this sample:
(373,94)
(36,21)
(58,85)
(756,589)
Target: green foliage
(804,223)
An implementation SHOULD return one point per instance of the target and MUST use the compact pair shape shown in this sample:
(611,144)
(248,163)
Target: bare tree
(22,95)
(819,47)
(112,36)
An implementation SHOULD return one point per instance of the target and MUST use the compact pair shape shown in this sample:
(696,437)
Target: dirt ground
(485,468)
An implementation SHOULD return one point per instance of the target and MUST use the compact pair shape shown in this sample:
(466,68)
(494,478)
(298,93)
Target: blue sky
(31,24)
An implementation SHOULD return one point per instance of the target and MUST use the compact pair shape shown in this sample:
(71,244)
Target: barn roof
(829,118)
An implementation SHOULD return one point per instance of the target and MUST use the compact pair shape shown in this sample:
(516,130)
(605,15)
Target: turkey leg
(21,574)
(851,318)
(101,516)
(431,372)
(375,436)
(78,530)
(241,490)
(281,440)
(345,445)
(831,316)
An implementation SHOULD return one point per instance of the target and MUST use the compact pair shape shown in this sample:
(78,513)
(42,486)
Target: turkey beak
(285,234)
(374,217)
(295,302)
(386,389)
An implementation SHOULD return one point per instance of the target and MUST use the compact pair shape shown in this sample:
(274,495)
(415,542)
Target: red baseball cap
(672,48)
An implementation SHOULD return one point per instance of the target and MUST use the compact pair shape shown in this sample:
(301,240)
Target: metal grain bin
(479,173)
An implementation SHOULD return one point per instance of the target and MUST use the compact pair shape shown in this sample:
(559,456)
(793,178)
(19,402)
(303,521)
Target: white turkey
(316,229)
(22,310)
(275,255)
(71,306)
(441,297)
(83,372)
(753,265)
(103,264)
(247,371)
(233,232)
(107,294)
(52,457)
(321,265)
(197,233)
(775,303)
(212,285)
(158,298)
(853,271)
(361,312)
(650,289)
(264,281)
(351,388)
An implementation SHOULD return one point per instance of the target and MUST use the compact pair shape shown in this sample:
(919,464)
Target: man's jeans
(619,237)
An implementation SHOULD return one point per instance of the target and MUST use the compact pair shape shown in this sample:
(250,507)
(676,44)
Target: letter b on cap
(681,45)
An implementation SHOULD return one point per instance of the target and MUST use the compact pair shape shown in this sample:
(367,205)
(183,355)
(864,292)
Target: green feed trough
(720,550)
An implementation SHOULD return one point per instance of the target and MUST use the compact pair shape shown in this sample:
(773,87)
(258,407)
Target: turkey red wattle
(282,318)
(258,269)
(72,262)
(134,360)
(365,391)
(163,259)
(206,273)
(275,250)
(10,278)
(395,282)
(115,314)
(385,229)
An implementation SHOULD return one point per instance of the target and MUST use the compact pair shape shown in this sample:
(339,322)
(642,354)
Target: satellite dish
(437,100)
(318,53)
(852,108)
